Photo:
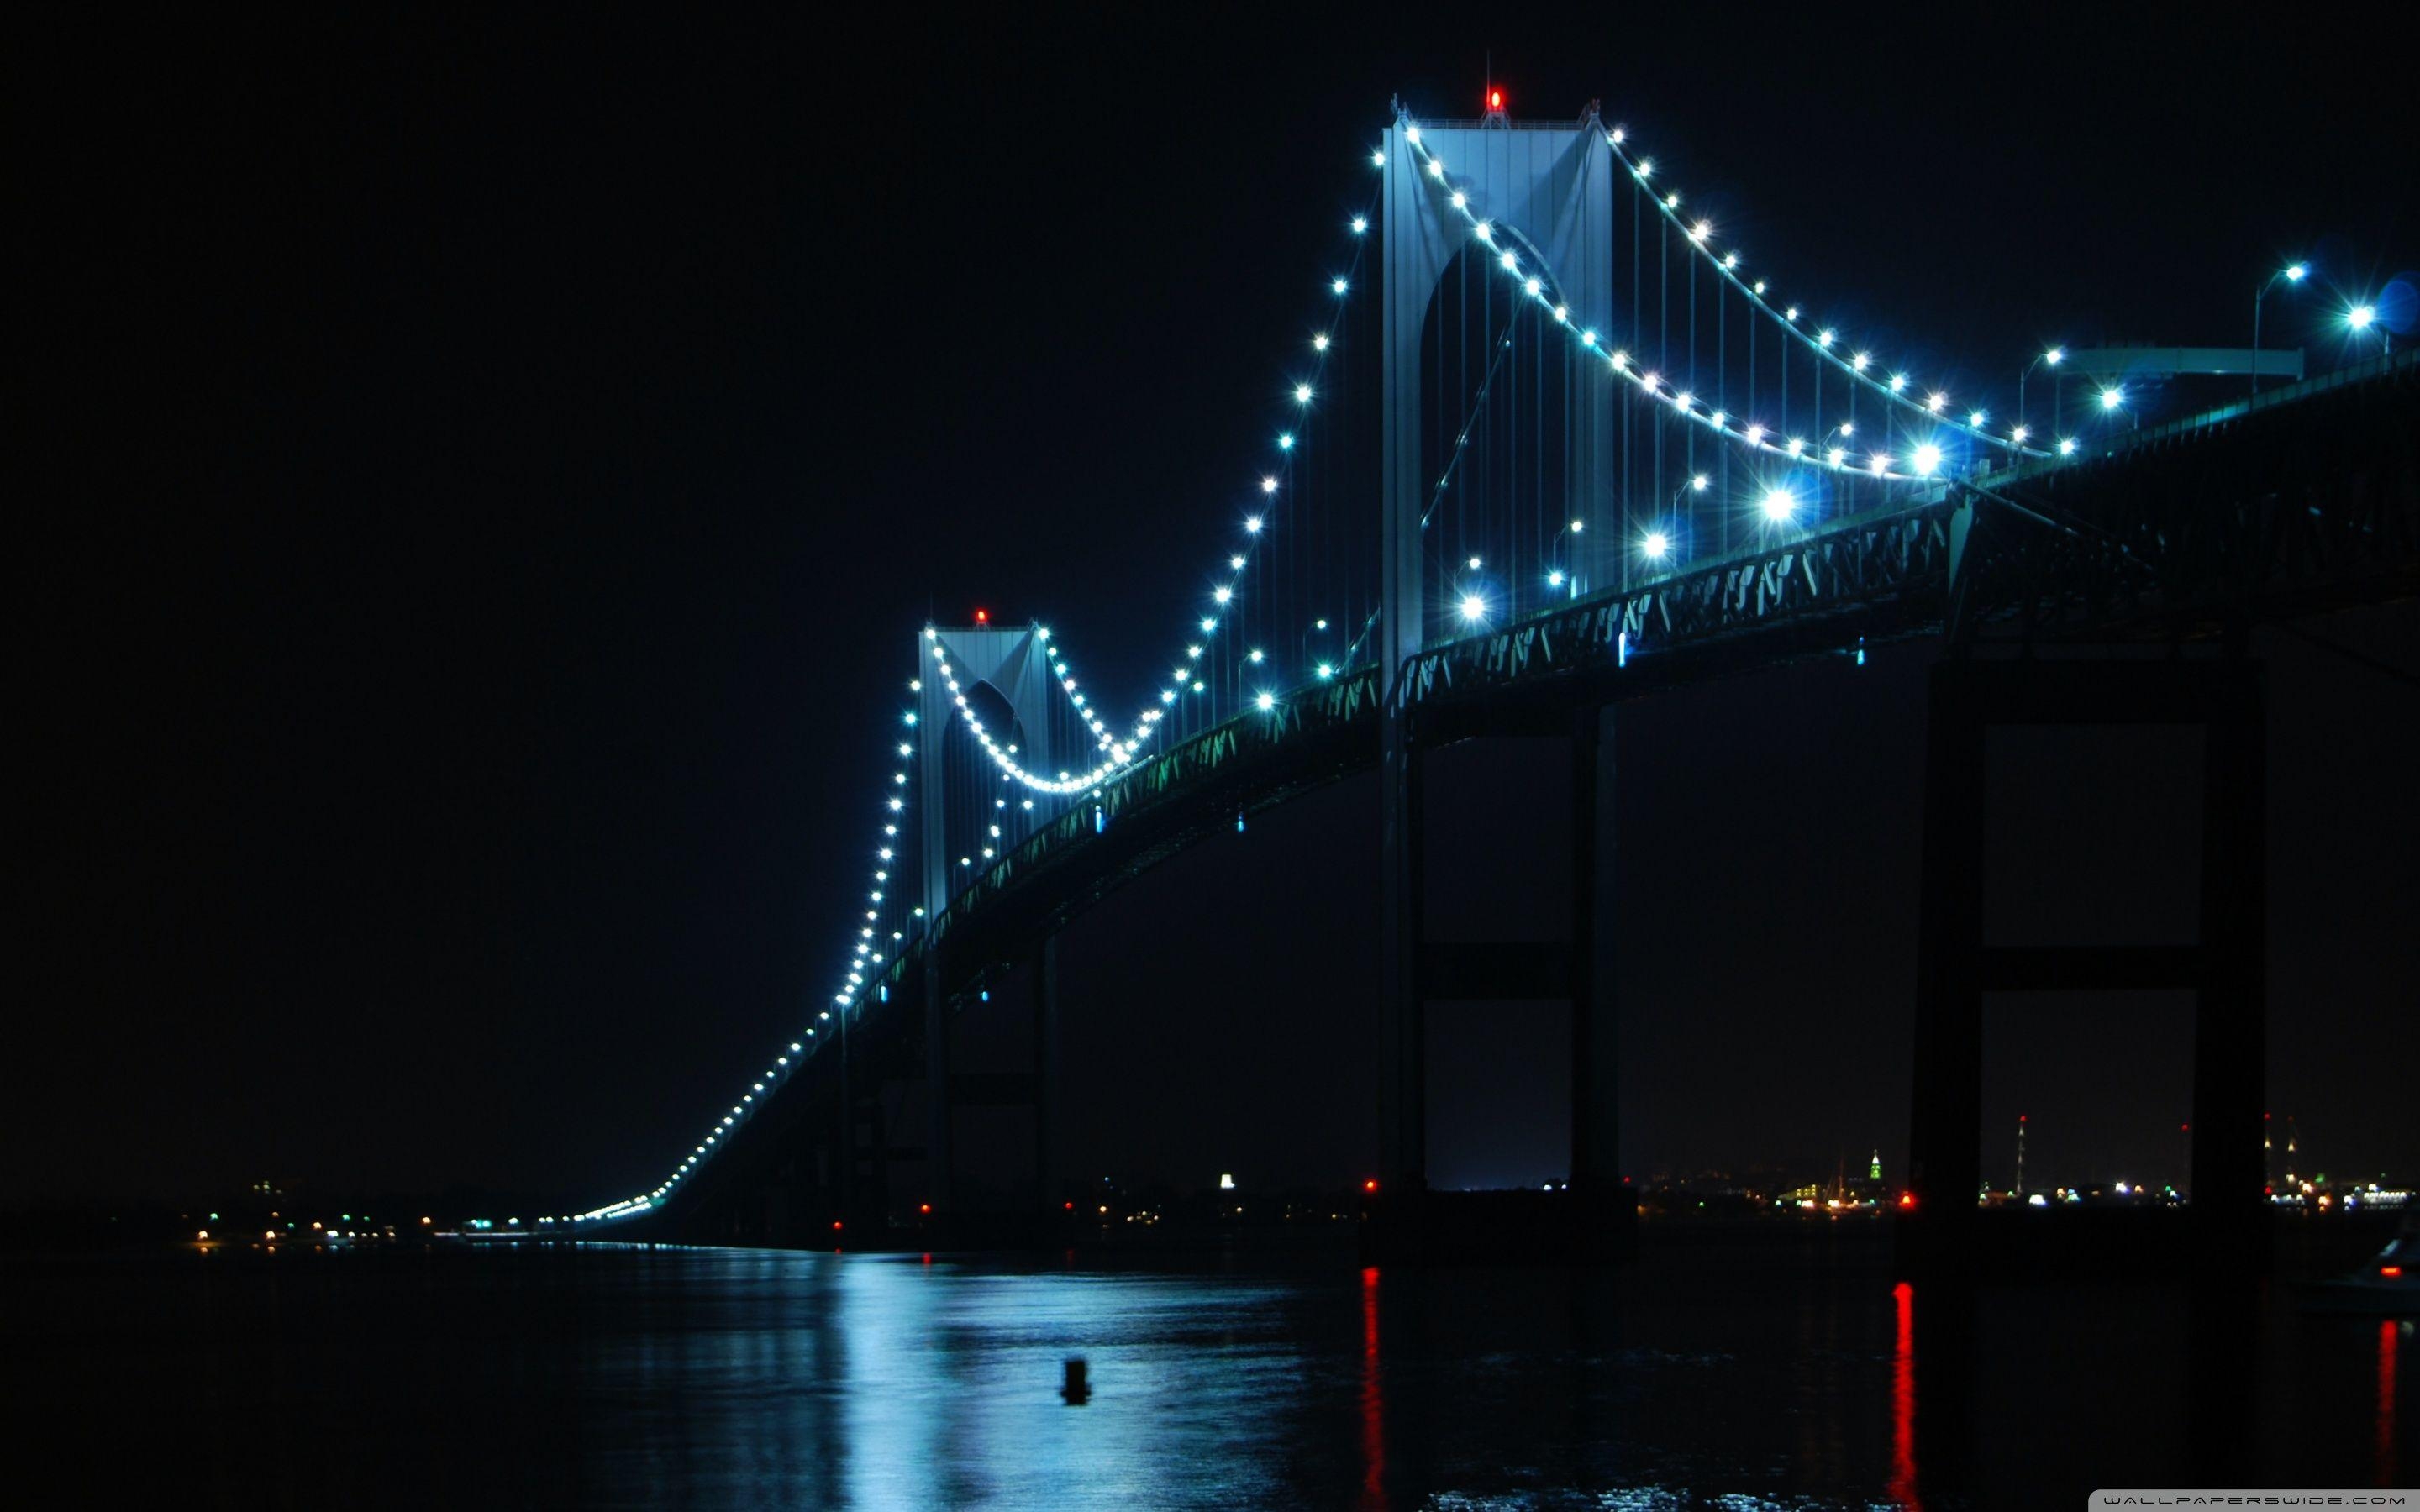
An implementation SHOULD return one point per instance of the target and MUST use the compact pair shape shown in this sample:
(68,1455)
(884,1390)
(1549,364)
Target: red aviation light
(983,616)
(1495,98)
(1370,1185)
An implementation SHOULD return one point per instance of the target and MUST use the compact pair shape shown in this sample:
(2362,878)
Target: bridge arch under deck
(2304,501)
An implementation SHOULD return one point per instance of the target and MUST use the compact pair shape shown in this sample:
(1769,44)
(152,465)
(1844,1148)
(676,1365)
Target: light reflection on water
(1740,1372)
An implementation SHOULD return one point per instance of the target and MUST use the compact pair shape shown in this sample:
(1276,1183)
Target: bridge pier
(1595,1218)
(2225,967)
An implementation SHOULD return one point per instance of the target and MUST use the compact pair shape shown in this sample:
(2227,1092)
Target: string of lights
(1859,366)
(1119,752)
(1536,281)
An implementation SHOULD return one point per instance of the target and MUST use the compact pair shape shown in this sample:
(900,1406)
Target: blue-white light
(1656,545)
(1473,606)
(1780,503)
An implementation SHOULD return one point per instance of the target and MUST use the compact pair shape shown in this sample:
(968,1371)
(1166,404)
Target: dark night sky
(504,463)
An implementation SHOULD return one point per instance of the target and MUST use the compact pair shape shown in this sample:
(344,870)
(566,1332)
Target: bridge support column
(1608,1213)
(2225,967)
(936,1090)
(1047,1196)
(1403,1016)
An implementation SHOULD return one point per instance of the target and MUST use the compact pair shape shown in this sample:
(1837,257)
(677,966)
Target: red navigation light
(1907,1199)
(924,1207)
(1370,1185)
(1495,100)
(835,1226)
(2020,1117)
(983,616)
(1070,1207)
(2391,1273)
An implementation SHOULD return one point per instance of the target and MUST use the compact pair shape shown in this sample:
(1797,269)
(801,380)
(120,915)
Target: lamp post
(1559,575)
(2292,273)
(2054,357)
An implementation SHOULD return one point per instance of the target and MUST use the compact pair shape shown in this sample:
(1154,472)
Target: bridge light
(2296,274)
(1268,484)
(1646,167)
(1562,314)
(2067,446)
(1927,460)
(1758,289)
(1412,135)
(1898,383)
(2111,396)
(1436,169)
(1460,199)
(1791,315)
(1265,700)
(1555,579)
(1531,287)
(1755,435)
(1578,525)
(1474,564)
(1837,455)
(1319,343)
(1508,261)
(1656,544)
(1975,418)
(2360,316)
(1860,362)
(1672,202)
(1326,670)
(2054,356)
(1361,224)
(1847,428)
(1337,286)
(1285,441)
(1377,160)
(2019,433)
(1255,656)
(1823,338)
(1779,504)
(1252,525)
(1701,482)
(1796,446)
(1730,259)
(1473,606)
(1302,393)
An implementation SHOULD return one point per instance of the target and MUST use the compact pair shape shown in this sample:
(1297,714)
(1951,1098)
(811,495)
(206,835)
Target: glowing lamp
(1496,100)
(983,616)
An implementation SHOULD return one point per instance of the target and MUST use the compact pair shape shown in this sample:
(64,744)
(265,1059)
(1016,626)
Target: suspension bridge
(1550,444)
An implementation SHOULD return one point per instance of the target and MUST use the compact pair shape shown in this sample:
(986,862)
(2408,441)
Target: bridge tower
(1546,188)
(1016,663)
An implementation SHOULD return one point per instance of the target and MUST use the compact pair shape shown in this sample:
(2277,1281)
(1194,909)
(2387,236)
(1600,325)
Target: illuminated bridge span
(1611,452)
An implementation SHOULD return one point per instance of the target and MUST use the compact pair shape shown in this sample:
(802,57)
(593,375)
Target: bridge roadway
(2302,501)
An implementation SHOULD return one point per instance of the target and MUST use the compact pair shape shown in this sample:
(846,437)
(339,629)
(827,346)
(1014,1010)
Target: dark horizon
(520,456)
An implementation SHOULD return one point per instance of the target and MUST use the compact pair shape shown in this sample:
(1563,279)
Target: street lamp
(2292,273)
(2054,357)
(2361,317)
(2113,398)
